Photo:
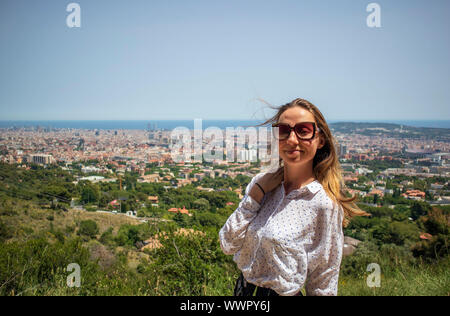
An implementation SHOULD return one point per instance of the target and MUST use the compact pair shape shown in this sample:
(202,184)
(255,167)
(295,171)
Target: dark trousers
(244,288)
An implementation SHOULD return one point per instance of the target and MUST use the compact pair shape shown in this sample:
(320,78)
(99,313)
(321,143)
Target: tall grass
(405,280)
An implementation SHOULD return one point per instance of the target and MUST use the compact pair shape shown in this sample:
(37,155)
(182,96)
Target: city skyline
(172,124)
(206,60)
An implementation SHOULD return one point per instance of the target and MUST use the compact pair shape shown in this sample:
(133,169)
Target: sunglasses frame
(315,129)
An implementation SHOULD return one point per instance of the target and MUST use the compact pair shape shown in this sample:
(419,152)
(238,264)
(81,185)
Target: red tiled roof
(425,236)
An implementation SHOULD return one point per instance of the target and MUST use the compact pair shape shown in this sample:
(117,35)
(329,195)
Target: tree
(400,232)
(380,231)
(400,216)
(419,209)
(88,228)
(396,193)
(128,235)
(141,196)
(104,199)
(420,185)
(125,207)
(436,224)
(53,191)
(375,199)
(180,219)
(107,237)
(202,204)
(209,219)
(90,194)
(130,182)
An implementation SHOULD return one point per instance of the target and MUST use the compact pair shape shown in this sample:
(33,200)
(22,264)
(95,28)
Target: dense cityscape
(368,161)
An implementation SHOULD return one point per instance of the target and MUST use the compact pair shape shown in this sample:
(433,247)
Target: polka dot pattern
(287,241)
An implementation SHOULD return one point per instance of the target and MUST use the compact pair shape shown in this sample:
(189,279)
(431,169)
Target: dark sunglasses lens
(283,131)
(304,130)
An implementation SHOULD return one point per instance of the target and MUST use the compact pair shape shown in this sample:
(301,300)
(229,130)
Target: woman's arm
(233,232)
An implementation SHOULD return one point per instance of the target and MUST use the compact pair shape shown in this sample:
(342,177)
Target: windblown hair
(326,166)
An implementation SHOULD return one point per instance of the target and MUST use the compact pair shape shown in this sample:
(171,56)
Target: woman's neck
(296,177)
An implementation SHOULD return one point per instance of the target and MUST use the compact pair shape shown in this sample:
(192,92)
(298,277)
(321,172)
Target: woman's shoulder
(264,172)
(258,176)
(254,179)
(324,201)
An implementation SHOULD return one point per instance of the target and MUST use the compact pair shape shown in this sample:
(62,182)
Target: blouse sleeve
(325,259)
(233,232)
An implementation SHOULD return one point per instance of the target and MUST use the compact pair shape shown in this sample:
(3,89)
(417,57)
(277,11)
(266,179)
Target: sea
(171,124)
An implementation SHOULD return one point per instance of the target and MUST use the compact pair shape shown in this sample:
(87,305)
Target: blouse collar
(312,187)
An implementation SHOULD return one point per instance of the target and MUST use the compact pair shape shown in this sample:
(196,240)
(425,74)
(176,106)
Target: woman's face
(293,150)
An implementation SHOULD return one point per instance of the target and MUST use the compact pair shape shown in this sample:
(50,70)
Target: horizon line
(213,119)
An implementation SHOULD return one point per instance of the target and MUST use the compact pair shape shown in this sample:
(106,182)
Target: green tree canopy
(88,228)
(202,204)
(90,194)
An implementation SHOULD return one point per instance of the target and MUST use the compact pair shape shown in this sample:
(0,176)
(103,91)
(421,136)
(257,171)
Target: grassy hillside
(38,244)
(29,218)
(41,243)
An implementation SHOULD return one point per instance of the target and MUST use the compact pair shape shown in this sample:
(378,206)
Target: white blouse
(287,241)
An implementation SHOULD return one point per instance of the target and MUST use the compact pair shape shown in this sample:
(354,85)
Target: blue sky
(213,59)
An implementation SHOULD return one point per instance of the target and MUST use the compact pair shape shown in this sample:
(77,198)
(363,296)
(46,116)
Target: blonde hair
(326,166)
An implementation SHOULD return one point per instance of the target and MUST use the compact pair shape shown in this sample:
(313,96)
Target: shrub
(433,249)
(192,264)
(356,264)
(107,237)
(436,224)
(90,208)
(128,235)
(88,228)
(32,267)
(419,209)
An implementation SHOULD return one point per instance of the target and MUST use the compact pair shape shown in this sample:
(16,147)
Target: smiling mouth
(294,151)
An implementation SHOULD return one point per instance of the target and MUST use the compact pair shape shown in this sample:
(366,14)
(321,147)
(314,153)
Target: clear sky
(186,59)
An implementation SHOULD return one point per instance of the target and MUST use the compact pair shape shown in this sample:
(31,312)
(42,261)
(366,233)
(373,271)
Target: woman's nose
(292,138)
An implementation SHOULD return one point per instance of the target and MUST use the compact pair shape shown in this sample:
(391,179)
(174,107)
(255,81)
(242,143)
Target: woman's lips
(292,152)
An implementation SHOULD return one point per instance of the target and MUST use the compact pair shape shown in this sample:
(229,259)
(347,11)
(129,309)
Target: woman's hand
(268,182)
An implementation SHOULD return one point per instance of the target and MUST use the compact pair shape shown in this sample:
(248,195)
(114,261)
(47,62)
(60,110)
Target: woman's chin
(295,159)
(290,159)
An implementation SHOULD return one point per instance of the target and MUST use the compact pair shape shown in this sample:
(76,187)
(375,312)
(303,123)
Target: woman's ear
(321,142)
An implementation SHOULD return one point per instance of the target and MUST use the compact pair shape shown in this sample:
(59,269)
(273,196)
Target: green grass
(405,280)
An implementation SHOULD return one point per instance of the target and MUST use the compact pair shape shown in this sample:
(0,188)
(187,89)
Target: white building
(40,159)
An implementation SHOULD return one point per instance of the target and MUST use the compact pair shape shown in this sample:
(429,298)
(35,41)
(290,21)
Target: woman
(286,233)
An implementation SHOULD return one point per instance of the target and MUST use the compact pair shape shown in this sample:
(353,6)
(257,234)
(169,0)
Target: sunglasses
(303,130)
